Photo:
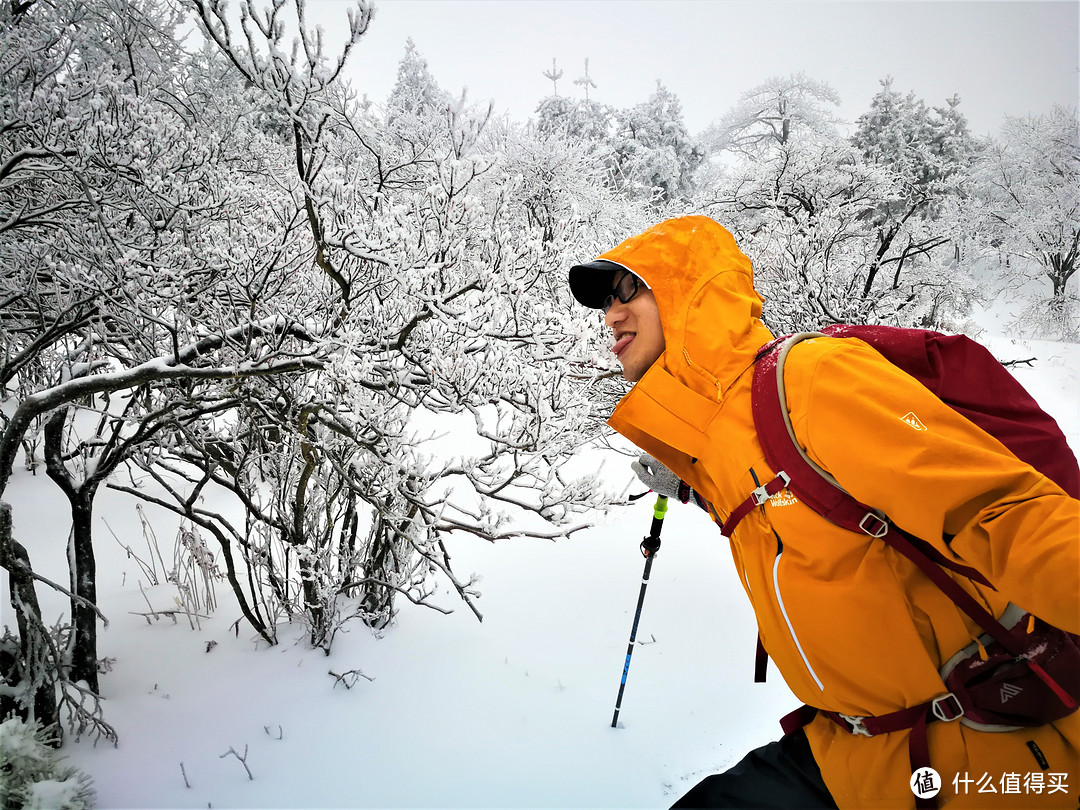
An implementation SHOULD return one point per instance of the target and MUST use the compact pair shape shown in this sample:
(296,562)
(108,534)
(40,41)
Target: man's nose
(615,314)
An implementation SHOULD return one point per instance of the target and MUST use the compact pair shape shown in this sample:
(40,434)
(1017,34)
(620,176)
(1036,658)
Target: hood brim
(591,282)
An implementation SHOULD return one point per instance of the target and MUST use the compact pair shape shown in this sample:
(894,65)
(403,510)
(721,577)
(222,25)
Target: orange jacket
(853,626)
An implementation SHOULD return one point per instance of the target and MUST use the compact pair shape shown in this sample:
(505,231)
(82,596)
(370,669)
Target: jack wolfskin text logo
(783,498)
(1008,690)
(912,420)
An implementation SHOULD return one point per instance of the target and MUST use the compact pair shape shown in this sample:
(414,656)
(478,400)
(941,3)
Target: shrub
(31,774)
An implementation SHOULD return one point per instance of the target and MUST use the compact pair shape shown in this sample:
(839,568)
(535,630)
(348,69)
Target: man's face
(639,335)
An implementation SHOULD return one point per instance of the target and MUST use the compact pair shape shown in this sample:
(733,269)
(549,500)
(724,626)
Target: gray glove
(659,478)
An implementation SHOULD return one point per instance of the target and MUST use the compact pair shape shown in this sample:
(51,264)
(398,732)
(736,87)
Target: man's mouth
(622,343)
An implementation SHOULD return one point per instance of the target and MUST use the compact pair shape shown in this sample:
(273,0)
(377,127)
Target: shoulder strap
(816,488)
(812,484)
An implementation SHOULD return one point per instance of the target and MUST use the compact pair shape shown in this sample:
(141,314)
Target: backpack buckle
(762,494)
(856,723)
(874,525)
(947,707)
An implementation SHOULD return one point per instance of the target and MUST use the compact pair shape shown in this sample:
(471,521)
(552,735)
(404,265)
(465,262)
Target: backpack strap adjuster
(947,707)
(759,497)
(874,525)
(766,491)
(856,723)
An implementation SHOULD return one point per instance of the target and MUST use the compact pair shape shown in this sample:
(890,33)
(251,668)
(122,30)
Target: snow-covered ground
(511,712)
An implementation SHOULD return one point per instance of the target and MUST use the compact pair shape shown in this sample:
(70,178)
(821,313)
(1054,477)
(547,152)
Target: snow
(511,712)
(51,794)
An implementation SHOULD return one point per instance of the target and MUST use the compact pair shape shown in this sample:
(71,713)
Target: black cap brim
(591,282)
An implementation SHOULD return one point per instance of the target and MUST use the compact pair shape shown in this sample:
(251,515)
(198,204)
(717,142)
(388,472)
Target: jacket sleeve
(895,446)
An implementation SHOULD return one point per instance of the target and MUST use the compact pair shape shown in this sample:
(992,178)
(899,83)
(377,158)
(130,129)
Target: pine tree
(585,80)
(415,94)
(930,152)
(554,75)
(654,153)
(927,146)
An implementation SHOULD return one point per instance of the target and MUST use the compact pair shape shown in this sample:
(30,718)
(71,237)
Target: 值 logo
(925,783)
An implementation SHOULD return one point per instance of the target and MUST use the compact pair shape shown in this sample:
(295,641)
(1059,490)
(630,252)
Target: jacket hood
(704,288)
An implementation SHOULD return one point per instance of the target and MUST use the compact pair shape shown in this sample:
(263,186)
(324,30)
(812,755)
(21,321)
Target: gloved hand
(659,478)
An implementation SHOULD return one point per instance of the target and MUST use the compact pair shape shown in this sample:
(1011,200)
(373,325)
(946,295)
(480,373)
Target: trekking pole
(649,548)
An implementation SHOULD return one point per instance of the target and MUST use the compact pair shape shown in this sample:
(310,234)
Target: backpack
(1019,655)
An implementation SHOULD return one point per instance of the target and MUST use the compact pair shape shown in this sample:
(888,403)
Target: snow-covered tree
(130,218)
(416,96)
(585,81)
(436,293)
(654,152)
(586,120)
(553,76)
(32,774)
(771,115)
(930,152)
(796,215)
(833,226)
(1026,211)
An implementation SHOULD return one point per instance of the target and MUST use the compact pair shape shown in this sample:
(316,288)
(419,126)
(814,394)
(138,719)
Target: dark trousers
(781,774)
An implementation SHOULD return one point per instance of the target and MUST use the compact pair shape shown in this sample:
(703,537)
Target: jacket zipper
(787,619)
(780,598)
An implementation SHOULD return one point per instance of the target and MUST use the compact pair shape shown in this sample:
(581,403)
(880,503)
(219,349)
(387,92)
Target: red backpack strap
(761,661)
(816,488)
(813,485)
(916,719)
(822,493)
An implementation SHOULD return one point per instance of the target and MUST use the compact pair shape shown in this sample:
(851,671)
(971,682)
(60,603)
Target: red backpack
(1022,672)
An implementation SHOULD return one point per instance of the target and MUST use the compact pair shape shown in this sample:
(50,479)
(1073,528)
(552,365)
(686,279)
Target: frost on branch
(435,301)
(145,261)
(1025,217)
(329,334)
(844,229)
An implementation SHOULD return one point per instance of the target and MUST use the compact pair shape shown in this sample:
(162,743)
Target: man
(854,628)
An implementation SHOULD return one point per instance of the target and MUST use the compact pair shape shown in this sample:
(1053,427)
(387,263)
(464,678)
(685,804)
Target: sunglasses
(625,289)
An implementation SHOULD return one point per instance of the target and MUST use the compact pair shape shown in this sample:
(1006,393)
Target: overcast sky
(1000,57)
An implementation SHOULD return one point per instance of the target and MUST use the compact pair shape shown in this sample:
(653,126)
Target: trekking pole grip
(651,544)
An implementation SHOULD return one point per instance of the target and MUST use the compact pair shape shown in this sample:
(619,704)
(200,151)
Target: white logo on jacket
(783,498)
(912,420)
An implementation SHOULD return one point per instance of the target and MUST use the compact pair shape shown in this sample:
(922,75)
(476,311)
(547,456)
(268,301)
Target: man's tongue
(621,344)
